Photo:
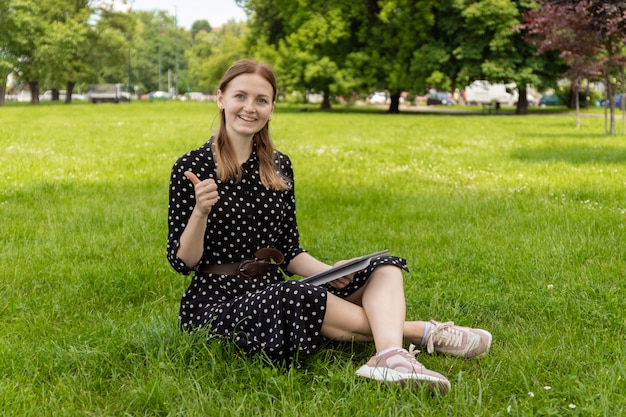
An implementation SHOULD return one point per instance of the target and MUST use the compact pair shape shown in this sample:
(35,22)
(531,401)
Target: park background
(338,50)
(513,223)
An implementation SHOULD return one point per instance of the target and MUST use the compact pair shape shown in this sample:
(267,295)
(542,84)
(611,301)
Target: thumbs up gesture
(206,192)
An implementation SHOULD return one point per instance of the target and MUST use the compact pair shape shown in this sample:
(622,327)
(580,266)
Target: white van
(107,93)
(483,92)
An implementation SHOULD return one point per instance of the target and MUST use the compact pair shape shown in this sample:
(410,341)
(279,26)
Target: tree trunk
(69,90)
(611,93)
(522,101)
(621,102)
(572,99)
(326,100)
(55,94)
(577,100)
(3,93)
(394,105)
(34,92)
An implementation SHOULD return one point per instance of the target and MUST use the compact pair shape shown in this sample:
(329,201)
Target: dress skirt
(282,318)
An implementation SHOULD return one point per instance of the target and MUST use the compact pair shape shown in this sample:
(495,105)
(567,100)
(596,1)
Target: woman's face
(248,104)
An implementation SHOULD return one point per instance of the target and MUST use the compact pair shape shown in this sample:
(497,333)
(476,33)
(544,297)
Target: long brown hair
(227,166)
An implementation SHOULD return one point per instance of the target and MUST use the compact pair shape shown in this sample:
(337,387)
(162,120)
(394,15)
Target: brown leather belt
(260,265)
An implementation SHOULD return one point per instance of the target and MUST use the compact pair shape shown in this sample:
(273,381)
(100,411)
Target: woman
(230,200)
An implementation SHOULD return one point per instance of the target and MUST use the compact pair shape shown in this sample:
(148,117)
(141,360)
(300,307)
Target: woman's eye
(239,96)
(261,100)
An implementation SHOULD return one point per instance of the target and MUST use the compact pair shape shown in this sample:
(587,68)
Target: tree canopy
(589,36)
(337,48)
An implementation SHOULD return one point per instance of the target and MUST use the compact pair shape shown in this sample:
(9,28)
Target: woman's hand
(206,193)
(342,282)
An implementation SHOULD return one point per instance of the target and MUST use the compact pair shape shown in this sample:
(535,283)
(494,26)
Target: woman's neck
(242,147)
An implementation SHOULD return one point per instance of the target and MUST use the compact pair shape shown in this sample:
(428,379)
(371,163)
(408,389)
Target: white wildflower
(547,387)
(531,394)
(572,405)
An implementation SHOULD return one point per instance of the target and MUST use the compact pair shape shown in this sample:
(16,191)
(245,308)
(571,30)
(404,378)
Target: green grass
(514,224)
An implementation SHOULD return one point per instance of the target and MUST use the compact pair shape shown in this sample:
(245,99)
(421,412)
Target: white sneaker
(457,340)
(400,366)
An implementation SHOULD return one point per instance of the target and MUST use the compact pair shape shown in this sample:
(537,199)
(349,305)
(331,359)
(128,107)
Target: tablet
(339,271)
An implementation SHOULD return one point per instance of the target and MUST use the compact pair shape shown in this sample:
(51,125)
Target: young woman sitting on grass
(233,198)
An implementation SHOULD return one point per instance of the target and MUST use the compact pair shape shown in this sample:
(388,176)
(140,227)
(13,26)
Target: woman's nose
(249,106)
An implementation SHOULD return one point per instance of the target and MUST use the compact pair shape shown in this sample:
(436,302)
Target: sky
(217,12)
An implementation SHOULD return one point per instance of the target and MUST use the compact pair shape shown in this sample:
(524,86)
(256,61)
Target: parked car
(445,99)
(550,100)
(618,101)
(314,98)
(158,95)
(378,97)
(194,96)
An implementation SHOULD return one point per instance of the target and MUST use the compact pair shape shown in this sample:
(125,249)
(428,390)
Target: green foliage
(439,81)
(67,44)
(511,224)
(200,26)
(23,44)
(157,47)
(335,47)
(310,54)
(7,57)
(213,52)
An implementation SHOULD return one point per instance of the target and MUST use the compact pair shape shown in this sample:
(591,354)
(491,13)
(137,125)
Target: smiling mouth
(247,119)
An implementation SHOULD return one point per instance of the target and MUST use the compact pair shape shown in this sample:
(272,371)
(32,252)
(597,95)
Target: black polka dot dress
(278,316)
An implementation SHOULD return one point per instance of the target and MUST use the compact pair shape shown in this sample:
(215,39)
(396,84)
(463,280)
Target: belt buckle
(247,268)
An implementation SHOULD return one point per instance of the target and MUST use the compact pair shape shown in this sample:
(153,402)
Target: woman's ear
(220,100)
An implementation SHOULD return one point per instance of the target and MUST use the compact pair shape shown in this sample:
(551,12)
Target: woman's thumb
(192,177)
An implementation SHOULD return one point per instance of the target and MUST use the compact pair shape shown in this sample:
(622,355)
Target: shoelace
(413,353)
(445,334)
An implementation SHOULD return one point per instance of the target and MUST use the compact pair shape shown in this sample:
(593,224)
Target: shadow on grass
(459,110)
(573,154)
(404,111)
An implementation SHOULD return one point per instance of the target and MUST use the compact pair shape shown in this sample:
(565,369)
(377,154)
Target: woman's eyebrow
(247,93)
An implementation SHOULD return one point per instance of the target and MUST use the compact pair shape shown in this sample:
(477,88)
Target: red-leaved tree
(589,36)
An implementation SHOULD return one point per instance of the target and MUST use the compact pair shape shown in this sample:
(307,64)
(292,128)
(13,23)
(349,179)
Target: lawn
(513,224)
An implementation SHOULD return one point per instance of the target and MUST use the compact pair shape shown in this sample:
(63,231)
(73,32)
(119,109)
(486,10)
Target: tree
(608,20)
(67,43)
(158,50)
(307,42)
(29,31)
(483,40)
(112,39)
(392,31)
(338,46)
(213,52)
(55,42)
(312,56)
(200,26)
(589,35)
(564,28)
(7,47)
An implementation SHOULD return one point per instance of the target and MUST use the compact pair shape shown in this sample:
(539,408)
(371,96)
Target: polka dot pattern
(282,318)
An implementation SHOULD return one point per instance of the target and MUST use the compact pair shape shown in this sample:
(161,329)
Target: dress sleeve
(289,240)
(182,200)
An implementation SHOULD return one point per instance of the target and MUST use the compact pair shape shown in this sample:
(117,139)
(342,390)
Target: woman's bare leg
(376,311)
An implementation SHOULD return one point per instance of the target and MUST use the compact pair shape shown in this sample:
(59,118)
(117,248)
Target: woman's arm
(192,239)
(305,265)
